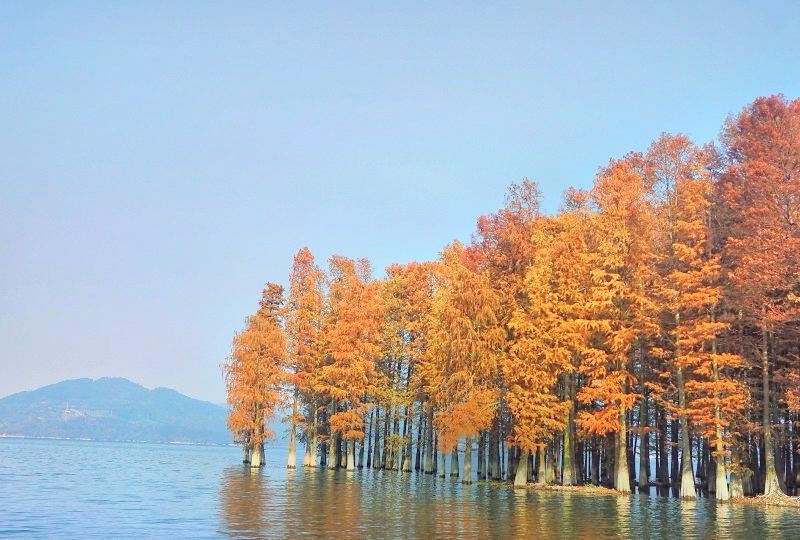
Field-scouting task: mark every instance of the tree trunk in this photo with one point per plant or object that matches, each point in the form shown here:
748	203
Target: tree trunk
429	445
687	476
257	456
453	461
351	454
721	473
595	456
541	467
771	484
246	452
521	476
332	460
467	478
644	448
418	460
376	447
674	455
494	453
291	462
315	437
308	455
481	454
368	438
622	479
568	457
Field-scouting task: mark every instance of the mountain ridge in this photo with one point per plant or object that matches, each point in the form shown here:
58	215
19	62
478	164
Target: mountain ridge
112	409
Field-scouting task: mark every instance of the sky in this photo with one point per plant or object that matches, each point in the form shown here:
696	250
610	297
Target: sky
160	161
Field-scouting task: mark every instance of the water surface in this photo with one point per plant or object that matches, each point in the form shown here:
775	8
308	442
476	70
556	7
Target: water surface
81	489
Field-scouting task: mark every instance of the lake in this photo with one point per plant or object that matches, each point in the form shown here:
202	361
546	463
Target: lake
81	489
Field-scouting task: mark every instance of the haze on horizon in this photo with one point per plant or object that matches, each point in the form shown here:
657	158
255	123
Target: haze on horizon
160	162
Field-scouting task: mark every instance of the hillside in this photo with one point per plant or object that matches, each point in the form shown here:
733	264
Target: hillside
112	409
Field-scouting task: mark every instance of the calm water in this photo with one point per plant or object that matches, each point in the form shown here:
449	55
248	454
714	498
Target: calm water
90	489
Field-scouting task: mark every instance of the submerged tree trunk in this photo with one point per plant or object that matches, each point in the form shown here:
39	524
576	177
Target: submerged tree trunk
429	445
314	437
291	462
257	456
481	454
622	479
568	457
332	460
541	467
453	461
721	473
771	484
494	454
644	448
419	454
521	476
467	478
351	454
687	476
246	452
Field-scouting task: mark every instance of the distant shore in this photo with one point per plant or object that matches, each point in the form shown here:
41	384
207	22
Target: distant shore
87	439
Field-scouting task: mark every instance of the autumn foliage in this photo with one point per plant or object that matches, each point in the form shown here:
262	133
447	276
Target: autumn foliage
651	323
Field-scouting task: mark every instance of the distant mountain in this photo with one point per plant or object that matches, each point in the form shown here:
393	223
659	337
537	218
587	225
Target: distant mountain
112	409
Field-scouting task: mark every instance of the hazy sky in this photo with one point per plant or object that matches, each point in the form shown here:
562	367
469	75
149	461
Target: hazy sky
160	161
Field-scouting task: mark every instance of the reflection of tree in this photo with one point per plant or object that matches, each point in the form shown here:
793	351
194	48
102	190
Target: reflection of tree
243	499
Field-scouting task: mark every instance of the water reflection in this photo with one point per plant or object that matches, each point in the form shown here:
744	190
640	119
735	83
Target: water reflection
366	503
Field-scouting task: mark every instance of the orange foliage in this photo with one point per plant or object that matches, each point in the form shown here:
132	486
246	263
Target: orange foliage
256	370
352	343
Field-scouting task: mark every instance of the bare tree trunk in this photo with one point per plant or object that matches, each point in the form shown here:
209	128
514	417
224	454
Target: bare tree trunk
332	460
622	479
453	461
429	465
541	467
315	436
721	476
247	450
257	456
308	455
481	454
376	447
351	454
291	462
771	484
521	476
568	457
494	452
467	478
644	448
687	476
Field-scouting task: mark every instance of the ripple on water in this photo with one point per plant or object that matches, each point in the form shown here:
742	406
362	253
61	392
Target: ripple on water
91	489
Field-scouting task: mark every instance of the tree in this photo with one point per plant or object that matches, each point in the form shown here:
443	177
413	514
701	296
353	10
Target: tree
465	344
543	338
303	326
352	343
255	374
619	307
689	294
760	192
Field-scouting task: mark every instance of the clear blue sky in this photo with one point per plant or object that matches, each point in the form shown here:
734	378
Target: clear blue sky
160	161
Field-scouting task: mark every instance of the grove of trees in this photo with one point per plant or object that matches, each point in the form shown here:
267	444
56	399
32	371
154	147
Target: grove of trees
647	335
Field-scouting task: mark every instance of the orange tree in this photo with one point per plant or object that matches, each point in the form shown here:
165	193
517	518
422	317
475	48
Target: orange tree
255	373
